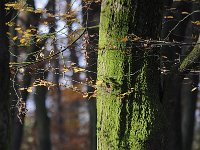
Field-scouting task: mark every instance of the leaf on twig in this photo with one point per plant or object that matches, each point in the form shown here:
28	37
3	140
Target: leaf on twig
193	89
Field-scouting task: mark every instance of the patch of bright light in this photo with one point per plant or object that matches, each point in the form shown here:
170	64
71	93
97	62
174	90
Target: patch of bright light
40	4
43	29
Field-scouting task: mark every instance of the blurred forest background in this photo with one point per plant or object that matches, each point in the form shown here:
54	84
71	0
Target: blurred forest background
54	99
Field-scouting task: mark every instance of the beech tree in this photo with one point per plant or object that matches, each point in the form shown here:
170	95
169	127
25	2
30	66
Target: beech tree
133	111
137	108
129	110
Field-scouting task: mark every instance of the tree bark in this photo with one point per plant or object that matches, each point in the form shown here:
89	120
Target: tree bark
33	20
91	18
172	79
129	112
189	99
42	119
4	81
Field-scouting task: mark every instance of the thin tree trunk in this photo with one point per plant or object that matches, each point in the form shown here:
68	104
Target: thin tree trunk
189	99
18	126
41	113
188	96
58	96
129	112
172	80
42	119
91	18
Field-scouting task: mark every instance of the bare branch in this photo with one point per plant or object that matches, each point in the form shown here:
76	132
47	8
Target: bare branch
53	55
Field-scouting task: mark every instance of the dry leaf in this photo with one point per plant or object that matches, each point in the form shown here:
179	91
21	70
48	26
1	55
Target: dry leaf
98	82
30	89
195	88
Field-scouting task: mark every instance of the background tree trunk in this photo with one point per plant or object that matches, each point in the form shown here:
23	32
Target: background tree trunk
42	119
189	99
33	20
91	18
172	79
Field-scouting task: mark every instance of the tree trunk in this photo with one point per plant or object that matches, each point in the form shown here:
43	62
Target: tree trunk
189	99
4	81
18	126
129	112
188	96
91	19
42	119
172	80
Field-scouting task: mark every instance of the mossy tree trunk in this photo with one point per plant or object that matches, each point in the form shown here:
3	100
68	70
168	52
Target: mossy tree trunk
129	112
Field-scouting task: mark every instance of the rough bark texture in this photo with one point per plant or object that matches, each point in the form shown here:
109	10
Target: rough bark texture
4	81
128	105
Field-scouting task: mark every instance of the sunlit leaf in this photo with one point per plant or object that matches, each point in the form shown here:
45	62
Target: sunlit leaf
76	69
18	28
99	82
125	39
30	89
168	17
185	13
85	95
193	89
22	41
14	38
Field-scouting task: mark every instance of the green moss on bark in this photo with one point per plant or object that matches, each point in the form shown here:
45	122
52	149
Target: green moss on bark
128	105
192	57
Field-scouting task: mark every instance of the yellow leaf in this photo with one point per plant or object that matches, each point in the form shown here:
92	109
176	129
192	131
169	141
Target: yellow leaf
33	29
185	13
196	23
38	40
195	88
30	89
94	94
40	11
76	69
17	29
22	41
30	9
125	39
168	17
46	23
21	89
65	69
99	82
85	95
28	30
10	24
11	4
14	38
8	33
